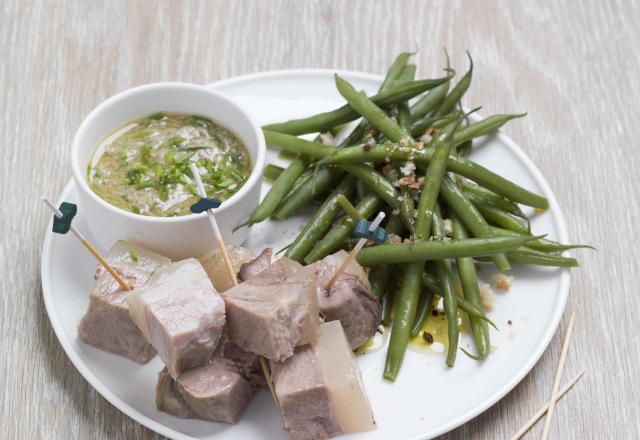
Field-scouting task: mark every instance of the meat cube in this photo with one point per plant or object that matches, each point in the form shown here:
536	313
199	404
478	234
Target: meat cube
213	263
320	389
107	324
274	311
180	313
349	300
219	391
255	266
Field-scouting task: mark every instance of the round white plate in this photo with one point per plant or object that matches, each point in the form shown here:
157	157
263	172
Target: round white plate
428	398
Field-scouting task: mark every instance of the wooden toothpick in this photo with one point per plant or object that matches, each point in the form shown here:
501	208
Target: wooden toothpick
354	252
89	246
214	225
556	383
532	421
231	272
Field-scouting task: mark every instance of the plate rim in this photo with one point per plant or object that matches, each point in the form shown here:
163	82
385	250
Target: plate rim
554	209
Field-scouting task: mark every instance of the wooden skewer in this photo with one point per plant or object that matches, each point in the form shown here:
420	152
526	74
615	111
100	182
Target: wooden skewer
556	383
214	226
354	252
231	272
532	421
89	246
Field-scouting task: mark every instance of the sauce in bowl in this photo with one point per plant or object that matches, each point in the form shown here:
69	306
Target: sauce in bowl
143	167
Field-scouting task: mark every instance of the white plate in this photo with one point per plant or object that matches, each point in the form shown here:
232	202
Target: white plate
428	399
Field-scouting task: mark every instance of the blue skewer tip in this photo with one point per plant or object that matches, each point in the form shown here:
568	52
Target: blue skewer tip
204	204
63	224
378	236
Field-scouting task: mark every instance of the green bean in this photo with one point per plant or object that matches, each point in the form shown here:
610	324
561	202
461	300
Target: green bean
434	250
337	235
321	221
317	183
484	127
456	164
470	216
379	279
551	260
454	97
540	244
395	70
272	172
425	306
370	111
276	193
431	189
405	311
501	218
420	126
380	186
410	292
525	255
323	121
469	281
296	145
450	299
464	149
429	101
388	299
470	309
404	114
348	208
501	202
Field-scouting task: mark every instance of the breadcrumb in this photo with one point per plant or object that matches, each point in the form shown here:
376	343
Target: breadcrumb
448	226
486	295
408	168
501	281
394	239
426	138
328	139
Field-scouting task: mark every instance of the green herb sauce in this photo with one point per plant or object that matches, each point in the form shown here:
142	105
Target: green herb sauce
143	167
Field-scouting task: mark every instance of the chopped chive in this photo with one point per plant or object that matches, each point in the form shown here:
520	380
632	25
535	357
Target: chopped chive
144	184
163	192
143	134
134	255
176	141
225	183
135	209
157	115
158	171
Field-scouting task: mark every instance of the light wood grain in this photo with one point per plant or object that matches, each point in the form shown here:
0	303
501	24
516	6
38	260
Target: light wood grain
572	65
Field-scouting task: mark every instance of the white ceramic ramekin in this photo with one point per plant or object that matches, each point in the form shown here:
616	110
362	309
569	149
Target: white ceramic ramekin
175	237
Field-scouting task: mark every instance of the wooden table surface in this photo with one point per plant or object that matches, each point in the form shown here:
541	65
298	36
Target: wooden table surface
572	65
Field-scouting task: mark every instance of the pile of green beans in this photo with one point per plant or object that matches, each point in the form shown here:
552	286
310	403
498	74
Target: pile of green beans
408	156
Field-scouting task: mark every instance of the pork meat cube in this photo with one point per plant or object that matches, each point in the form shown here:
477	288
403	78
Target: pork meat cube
255	266
320	389
219	391
107	324
349	300
273	312
180	313
213	263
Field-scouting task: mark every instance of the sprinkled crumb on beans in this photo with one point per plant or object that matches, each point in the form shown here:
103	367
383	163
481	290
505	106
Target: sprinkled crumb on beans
502	282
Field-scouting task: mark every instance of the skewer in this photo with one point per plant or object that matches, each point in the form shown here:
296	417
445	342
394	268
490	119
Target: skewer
89	246
214	226
354	252
229	267
556	383
532	421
